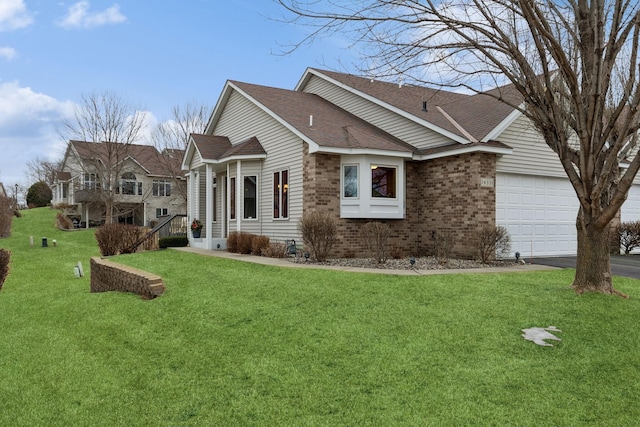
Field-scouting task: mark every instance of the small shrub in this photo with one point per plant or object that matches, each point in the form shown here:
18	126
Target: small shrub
5	257
275	250
39	195
443	243
258	244
375	236
629	235
173	242
319	230
232	241
115	239
5	216
491	242
63	221
396	252
64	206
245	242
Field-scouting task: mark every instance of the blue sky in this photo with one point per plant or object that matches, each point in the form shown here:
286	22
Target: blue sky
155	54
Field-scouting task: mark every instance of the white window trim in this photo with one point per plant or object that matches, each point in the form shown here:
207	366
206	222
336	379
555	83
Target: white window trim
279	172
382	165
257	217
342	183
366	206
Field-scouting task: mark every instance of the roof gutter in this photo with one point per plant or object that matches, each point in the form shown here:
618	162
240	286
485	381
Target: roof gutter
479	148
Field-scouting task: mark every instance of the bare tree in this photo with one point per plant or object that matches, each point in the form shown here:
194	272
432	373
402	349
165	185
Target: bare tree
40	169
571	67
172	136
109	125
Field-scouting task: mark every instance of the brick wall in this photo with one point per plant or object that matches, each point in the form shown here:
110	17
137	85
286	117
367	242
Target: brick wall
453	199
443	196
109	276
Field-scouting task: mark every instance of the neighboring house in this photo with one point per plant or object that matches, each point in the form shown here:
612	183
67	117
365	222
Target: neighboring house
137	179
3	192
426	162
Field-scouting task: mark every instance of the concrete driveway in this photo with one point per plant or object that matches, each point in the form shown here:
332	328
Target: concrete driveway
621	265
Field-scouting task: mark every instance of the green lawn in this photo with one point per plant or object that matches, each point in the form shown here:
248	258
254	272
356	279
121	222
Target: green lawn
232	343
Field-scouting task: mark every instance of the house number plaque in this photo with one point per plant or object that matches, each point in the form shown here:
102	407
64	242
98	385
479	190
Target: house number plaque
486	182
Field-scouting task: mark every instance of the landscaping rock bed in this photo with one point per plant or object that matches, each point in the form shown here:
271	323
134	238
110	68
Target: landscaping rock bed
421	263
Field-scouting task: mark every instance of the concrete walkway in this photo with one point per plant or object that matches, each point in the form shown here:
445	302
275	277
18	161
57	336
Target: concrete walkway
281	262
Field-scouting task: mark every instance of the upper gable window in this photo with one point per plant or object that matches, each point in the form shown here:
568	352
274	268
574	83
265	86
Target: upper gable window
129	185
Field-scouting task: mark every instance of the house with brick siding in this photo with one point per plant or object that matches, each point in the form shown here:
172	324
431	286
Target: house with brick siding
424	161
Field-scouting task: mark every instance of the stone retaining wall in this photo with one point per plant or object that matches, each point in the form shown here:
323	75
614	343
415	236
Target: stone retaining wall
109	276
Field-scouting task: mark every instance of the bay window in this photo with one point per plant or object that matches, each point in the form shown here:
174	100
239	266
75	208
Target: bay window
372	187
383	181
350	181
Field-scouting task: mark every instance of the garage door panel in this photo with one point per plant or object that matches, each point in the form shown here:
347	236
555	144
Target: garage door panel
538	212
631	208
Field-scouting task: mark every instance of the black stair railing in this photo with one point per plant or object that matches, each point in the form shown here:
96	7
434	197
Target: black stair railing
173	225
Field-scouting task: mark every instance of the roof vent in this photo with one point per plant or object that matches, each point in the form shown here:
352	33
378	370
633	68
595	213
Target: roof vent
424	106
310	120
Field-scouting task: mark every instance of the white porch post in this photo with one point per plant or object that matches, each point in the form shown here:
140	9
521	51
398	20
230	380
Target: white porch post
227	203
238	192
196	198
189	193
208	206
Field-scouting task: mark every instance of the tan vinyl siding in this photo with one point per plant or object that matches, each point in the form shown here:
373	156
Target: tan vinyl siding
284	151
217	224
531	155
196	160
398	126
202	197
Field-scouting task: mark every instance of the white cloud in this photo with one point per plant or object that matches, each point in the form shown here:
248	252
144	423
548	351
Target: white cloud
79	17
13	15
28	129
7	52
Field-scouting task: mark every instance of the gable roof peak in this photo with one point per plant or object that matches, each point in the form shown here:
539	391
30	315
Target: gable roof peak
463	117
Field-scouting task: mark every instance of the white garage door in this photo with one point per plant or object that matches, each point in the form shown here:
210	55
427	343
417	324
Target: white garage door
631	209
539	212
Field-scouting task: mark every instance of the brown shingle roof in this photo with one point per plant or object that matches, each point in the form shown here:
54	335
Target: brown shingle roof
213	147
63	176
477	114
453	147
332	126
146	156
